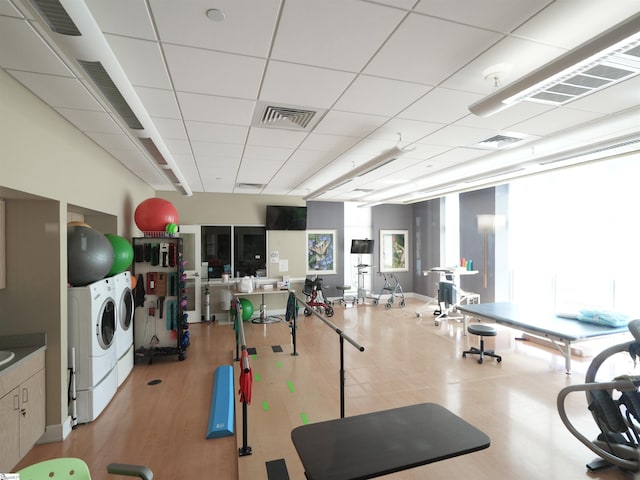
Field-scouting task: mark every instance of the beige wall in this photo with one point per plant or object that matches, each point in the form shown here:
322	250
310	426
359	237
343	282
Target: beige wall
48	168
225	208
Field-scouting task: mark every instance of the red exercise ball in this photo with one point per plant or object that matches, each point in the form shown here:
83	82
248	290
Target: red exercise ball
153	215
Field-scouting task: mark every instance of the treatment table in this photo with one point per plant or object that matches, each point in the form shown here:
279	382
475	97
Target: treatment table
531	319
383	442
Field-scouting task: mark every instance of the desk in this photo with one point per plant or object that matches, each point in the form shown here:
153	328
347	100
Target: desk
542	323
262	292
379	443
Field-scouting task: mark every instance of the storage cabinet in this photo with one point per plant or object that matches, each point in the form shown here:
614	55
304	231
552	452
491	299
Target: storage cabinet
160	320
22	410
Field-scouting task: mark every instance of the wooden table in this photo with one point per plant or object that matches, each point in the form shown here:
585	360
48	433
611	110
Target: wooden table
379	443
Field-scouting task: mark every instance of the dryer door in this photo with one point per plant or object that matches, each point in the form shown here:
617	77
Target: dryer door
106	327
125	314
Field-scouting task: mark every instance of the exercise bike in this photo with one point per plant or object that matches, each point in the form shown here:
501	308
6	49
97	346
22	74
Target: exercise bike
615	406
315	298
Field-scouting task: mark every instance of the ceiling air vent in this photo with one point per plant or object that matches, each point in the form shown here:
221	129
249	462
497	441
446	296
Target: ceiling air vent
153	151
56	17
286	117
497	142
254	186
103	81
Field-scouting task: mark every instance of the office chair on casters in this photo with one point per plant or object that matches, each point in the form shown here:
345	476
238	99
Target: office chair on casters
482	331
77	469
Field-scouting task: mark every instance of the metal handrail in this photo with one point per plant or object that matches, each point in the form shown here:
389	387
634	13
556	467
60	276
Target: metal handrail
343	336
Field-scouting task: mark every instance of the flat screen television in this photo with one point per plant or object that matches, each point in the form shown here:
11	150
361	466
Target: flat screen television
362	246
286	218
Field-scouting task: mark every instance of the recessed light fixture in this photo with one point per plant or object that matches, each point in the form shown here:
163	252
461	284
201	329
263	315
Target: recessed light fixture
216	15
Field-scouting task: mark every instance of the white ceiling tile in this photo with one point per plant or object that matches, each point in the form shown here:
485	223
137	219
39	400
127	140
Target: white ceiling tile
498	15
328	142
521	55
615	98
557	119
349	124
588	18
209	108
178	146
170	129
301	85
33	55
159	103
268	154
403	131
441	105
379	96
203	71
246	29
216	132
58	91
271	137
212	149
90	121
141	60
408	53
454	135
111	18
337	34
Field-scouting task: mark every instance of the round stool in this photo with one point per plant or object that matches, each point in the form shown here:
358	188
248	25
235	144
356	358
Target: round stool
482	331
343	299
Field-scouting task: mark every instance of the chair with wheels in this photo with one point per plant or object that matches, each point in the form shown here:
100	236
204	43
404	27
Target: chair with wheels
77	469
482	331
344	299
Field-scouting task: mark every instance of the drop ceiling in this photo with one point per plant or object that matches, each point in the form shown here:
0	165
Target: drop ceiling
342	82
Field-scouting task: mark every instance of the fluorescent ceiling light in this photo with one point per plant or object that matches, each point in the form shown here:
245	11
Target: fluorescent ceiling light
377	162
608	58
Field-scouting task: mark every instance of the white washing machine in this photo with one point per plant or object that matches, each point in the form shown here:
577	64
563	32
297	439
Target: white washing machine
92	331
124	330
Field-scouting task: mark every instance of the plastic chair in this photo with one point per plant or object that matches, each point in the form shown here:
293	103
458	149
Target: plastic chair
77	469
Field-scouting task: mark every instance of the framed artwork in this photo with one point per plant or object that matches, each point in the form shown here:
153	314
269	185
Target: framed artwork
321	252
394	250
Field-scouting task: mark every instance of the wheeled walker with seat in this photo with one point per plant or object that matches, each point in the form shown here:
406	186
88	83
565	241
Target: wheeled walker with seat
394	291
315	298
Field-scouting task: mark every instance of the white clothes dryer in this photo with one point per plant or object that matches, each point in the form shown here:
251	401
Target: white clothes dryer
124	329
92	327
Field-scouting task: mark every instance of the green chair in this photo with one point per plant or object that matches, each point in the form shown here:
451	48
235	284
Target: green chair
77	469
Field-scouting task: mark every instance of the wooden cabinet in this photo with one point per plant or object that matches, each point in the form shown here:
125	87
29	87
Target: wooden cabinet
22	410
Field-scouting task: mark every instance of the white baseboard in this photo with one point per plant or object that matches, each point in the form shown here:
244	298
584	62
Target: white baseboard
56	433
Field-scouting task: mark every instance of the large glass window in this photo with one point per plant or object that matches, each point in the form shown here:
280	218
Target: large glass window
573	237
235	250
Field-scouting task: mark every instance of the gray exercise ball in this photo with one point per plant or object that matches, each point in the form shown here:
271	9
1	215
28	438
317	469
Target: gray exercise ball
89	255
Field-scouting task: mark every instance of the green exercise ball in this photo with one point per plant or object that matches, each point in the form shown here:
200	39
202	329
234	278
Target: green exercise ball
247	309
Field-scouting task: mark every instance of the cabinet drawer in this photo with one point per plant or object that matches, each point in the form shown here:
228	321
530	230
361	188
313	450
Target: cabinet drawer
21	372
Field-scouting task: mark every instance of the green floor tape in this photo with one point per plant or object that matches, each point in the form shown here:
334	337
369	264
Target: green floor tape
278	364
265	406
304	418
256	377
291	387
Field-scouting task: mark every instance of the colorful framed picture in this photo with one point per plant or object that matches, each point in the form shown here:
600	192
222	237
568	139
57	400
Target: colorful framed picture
321	252
394	250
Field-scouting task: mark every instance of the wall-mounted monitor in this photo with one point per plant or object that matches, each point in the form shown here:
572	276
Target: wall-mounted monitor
286	218
361	246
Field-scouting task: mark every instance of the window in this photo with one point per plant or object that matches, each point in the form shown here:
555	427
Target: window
238	251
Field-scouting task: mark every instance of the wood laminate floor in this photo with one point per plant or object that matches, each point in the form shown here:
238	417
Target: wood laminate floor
407	360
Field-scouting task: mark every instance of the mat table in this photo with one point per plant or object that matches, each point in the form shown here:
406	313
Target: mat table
383	442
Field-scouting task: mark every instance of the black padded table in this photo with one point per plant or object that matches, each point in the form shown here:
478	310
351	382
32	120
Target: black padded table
379	443
542	323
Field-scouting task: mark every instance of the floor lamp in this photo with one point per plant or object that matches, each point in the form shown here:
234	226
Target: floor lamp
488	223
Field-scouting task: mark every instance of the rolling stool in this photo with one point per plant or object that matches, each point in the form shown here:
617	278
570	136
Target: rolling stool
482	331
344	299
